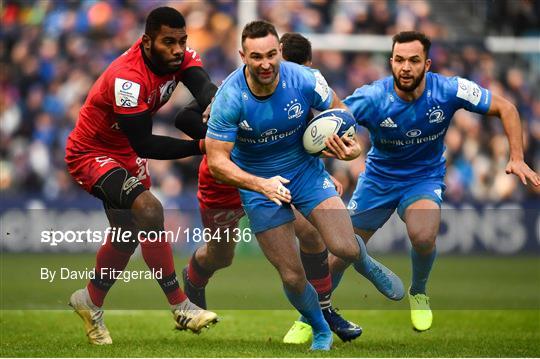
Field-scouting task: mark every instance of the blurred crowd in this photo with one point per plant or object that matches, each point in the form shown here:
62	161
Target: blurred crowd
348	17
52	51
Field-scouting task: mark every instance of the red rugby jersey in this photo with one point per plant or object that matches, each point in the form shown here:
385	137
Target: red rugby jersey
128	86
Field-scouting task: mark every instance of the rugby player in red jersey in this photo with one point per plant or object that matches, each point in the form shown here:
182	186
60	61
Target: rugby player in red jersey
107	155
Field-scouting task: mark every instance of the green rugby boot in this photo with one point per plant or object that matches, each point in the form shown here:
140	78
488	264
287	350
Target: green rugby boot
421	315
300	333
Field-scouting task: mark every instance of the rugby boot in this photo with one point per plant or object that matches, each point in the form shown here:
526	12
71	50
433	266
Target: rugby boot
421	315
92	316
345	330
300	333
188	316
322	340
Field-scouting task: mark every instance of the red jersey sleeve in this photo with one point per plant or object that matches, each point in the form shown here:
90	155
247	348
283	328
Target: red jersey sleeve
191	58
128	92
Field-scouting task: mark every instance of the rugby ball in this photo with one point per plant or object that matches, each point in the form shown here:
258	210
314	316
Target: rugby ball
324	125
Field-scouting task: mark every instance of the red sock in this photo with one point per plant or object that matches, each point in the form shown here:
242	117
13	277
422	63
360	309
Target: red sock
107	257
197	275
159	257
318	274
322	285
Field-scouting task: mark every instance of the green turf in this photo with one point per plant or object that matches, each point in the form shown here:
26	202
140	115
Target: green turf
485	307
475	282
148	333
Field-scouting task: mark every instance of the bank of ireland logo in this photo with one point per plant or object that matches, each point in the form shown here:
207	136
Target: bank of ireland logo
435	114
269	132
413	133
294	109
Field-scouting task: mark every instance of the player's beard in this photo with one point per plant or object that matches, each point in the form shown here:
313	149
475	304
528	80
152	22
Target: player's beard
160	62
414	84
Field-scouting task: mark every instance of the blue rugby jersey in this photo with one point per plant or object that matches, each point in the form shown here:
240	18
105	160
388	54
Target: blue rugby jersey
408	137
268	133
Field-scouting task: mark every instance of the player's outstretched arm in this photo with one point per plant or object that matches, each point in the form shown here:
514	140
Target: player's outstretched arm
199	84
138	129
223	169
509	116
190	121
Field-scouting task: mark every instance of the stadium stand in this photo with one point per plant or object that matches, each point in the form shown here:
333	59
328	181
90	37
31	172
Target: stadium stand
51	52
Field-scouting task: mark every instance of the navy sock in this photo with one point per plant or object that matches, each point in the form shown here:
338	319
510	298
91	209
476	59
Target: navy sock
318	274
307	303
421	267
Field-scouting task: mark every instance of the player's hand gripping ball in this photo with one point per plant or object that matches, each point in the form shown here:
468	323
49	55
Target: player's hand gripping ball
324	125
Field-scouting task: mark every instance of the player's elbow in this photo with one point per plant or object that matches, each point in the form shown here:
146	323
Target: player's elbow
218	158
503	107
146	149
214	167
141	150
217	172
509	107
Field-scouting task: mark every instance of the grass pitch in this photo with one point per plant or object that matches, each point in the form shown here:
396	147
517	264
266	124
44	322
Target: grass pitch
245	333
483	307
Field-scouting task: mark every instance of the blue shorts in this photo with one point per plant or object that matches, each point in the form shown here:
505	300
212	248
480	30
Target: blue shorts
374	201
309	185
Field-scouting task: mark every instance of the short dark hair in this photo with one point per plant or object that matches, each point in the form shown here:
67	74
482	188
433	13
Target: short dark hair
410	36
257	29
296	48
163	16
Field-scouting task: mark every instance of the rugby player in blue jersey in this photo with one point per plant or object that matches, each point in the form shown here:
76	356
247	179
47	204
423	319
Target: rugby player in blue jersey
407	115
218	200
254	142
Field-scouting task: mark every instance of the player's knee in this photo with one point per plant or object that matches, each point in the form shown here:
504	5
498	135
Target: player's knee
346	251
293	280
148	212
423	240
336	265
311	241
223	259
